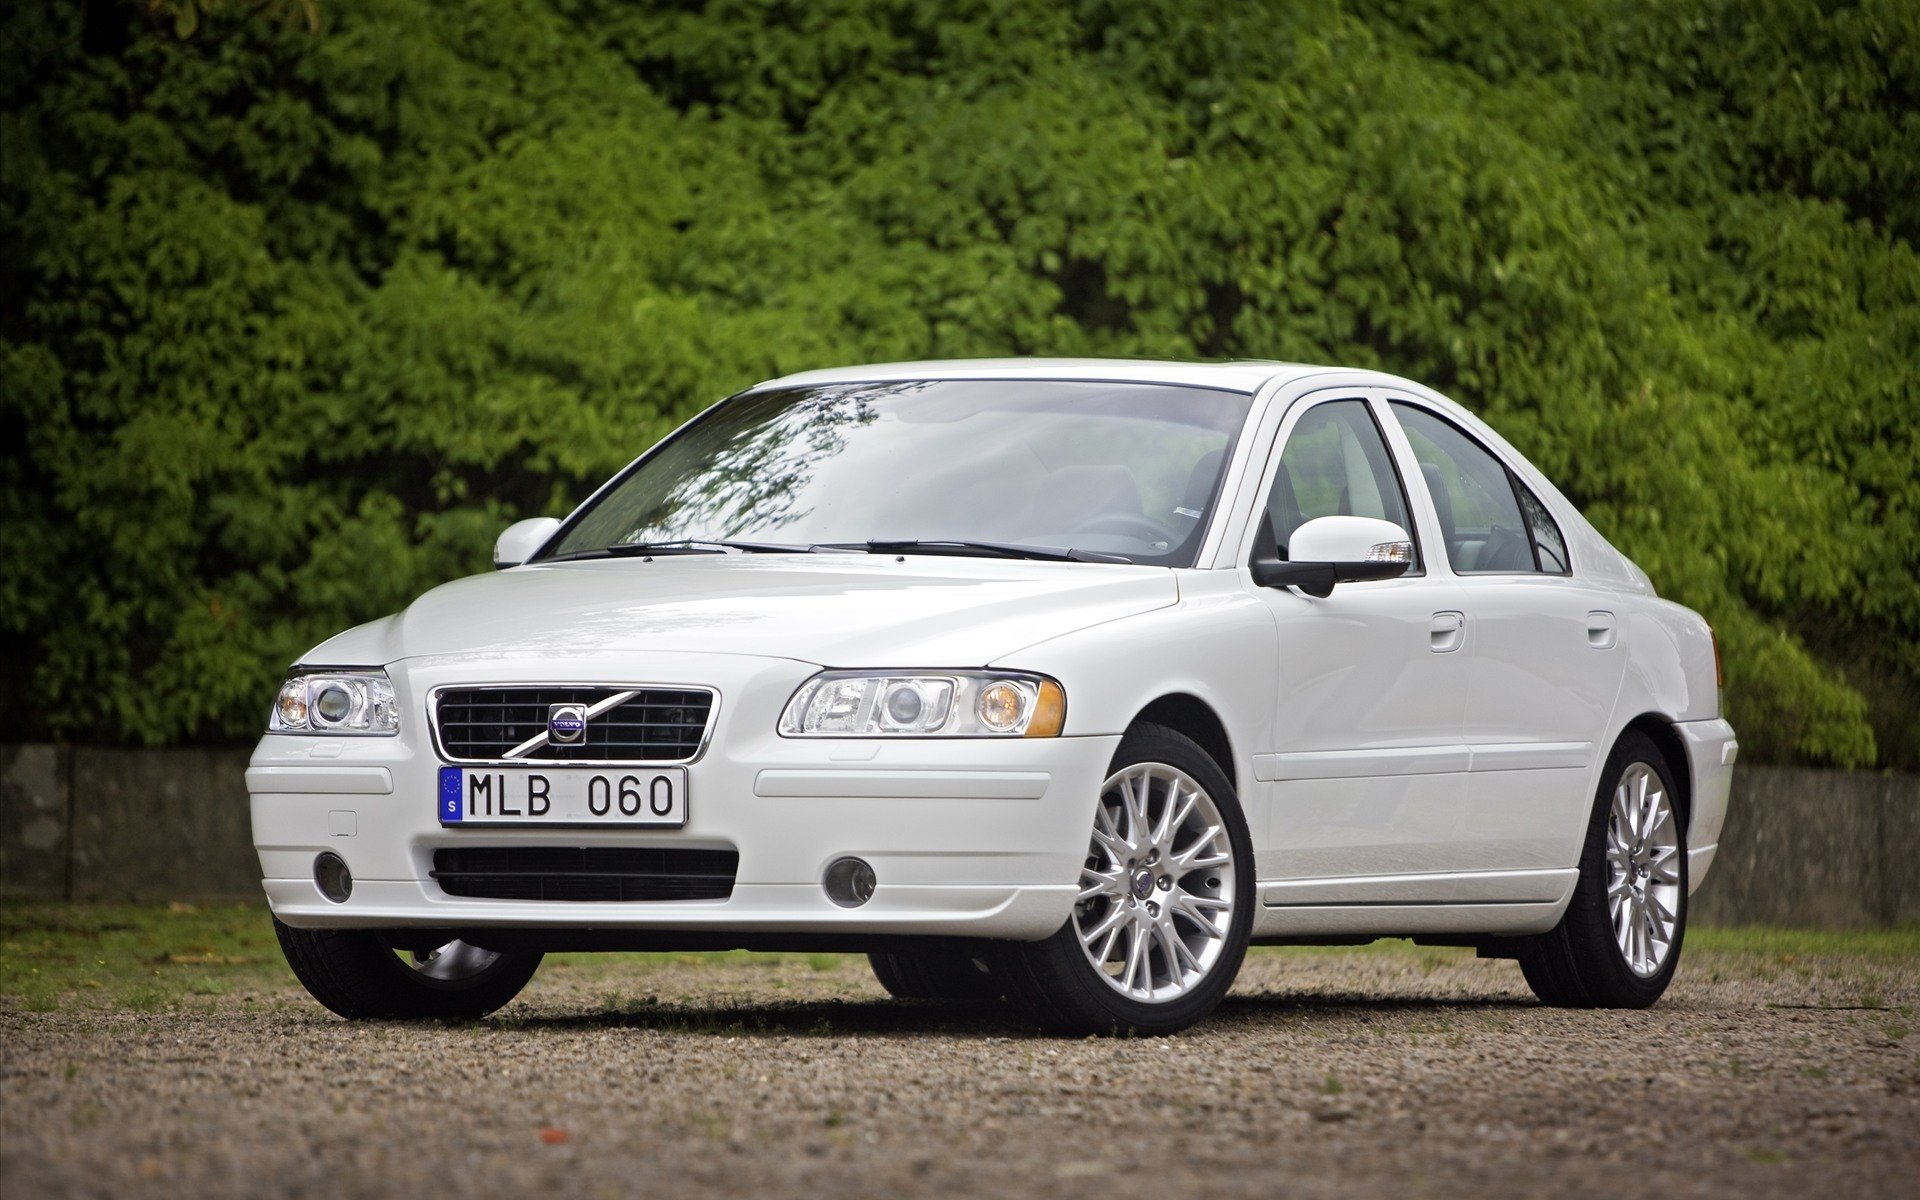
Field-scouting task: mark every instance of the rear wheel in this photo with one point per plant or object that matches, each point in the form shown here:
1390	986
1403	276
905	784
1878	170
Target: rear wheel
370	973
1165	905
1619	941
933	976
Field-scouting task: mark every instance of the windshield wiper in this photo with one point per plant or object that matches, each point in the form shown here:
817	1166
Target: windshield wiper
949	546
681	546
957	546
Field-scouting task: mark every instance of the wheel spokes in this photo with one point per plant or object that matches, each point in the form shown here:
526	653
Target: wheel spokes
1098	883
1191	859
1622	822
452	962
1644	896
1138	793
1173	817
1147	920
1109	840
1136	956
1196	910
1111	923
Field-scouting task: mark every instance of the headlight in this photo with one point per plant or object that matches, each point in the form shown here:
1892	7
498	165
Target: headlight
336	702
951	704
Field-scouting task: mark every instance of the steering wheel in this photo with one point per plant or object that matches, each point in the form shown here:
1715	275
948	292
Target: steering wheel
1129	525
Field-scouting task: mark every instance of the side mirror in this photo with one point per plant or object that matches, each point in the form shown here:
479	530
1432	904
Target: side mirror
519	541
1330	550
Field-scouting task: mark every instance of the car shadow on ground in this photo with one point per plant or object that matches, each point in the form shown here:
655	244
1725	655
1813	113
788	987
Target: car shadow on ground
1280	1008
976	1019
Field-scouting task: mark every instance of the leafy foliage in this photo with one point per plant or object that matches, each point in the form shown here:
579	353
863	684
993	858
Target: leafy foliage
294	321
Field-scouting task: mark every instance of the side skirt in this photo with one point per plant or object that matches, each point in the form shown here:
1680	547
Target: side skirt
1471	904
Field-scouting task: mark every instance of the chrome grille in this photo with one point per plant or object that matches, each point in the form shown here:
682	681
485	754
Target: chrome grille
654	724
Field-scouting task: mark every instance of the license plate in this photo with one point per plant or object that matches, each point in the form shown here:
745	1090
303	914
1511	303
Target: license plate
563	796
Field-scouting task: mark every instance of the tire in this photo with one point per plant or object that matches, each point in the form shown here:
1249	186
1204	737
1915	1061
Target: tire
359	974
1205	905
933	977
1584	962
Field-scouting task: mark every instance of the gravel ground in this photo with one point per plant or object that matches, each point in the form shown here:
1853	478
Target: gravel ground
1326	1073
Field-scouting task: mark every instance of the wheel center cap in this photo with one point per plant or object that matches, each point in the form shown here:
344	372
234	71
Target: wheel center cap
1142	884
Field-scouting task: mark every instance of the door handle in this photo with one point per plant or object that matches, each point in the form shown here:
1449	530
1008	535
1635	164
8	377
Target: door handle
1601	630
1447	631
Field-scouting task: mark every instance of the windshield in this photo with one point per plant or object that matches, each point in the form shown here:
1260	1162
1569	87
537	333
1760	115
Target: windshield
1121	469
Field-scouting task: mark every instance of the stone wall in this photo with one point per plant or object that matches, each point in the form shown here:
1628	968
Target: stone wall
109	823
1823	849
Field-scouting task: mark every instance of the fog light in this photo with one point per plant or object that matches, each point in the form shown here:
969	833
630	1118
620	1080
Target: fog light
331	876
849	882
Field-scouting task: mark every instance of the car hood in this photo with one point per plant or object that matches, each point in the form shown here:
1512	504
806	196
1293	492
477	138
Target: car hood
831	610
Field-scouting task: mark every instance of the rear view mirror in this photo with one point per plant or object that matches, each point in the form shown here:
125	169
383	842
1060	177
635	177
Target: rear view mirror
1330	550
518	542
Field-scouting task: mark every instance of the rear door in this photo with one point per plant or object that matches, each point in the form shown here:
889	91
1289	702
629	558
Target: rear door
1546	659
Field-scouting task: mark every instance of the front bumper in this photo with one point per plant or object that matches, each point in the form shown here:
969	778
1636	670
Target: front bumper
967	837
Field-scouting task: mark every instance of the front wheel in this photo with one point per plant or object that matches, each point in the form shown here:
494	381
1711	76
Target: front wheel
1619	941
1165	905
369	973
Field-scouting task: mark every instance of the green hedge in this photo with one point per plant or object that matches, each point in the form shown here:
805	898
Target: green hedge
296	318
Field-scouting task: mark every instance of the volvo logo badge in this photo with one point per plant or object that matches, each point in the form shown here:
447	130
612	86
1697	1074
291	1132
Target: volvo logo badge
567	724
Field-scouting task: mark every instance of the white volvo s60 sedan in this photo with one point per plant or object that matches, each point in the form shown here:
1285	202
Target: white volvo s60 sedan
1057	680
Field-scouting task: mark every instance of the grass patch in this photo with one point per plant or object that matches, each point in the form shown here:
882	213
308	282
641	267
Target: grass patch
158	956
135	956
1900	942
151	957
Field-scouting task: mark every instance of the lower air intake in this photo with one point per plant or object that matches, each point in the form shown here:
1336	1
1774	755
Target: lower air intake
587	873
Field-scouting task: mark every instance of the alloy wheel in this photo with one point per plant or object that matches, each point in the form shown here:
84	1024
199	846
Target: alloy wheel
1643	870
1157	887
453	963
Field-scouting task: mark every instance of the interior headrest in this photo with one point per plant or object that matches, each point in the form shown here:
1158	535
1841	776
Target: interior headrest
1200	481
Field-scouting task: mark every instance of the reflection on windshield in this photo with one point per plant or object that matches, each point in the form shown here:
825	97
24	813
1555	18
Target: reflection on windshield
1126	469
755	472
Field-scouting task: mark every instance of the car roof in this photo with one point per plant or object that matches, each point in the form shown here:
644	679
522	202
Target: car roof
1240	375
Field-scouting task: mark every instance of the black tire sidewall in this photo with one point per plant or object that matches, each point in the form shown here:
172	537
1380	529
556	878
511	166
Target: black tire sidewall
945	976
357	974
1609	980
1094	1003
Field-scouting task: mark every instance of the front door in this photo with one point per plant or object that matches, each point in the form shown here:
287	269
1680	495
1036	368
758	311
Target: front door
1366	760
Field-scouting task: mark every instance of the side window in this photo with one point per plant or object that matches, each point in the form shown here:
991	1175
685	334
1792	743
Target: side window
1478	501
1336	464
1549	548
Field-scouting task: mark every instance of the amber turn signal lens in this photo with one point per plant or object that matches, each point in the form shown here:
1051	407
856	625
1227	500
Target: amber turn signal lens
1049	711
